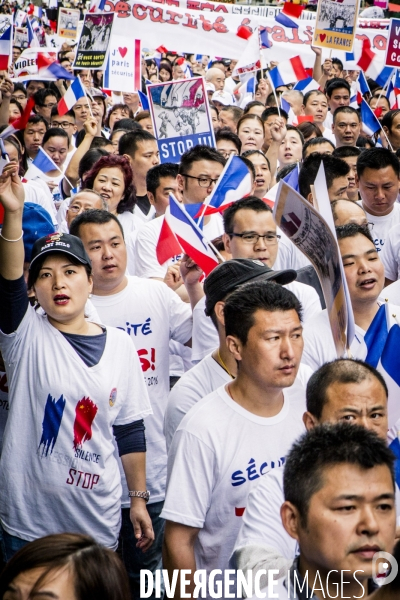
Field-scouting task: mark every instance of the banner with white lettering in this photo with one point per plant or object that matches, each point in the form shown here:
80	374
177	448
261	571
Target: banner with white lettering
25	67
181	117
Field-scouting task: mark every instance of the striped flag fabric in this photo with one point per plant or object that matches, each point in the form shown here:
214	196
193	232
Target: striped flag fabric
71	97
21	122
370	123
264	39
306	85
144	101
40	165
6	46
49	67
288	71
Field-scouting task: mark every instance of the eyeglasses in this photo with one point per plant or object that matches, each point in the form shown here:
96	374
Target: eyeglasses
204	182
50	105
20	98
63	125
270	239
228	153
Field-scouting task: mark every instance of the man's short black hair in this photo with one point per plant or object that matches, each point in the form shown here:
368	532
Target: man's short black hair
377	158
326	446
338	62
19	87
127	124
157	172
251	104
316	142
334	168
129	142
55	113
346	151
227	134
93	215
41	95
55	132
388	118
100	142
197	153
348	110
248	203
285	170
335	84
272	110
335	203
248	153
243	303
235	111
35	119
351	230
342	370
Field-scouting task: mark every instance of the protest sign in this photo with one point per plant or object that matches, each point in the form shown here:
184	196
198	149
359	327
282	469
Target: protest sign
94	41
25	67
393	47
68	19
21	37
54	41
181	117
124	65
305	227
336	22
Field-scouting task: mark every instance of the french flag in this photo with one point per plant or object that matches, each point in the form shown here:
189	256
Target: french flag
370	123
37	11
289	10
234	183
397	81
97	5
362	87
71	96
288	71
292	178
391	96
264	39
292	119
21	122
144	101
188	237
41	165
306	85
33	42
5	47
50	67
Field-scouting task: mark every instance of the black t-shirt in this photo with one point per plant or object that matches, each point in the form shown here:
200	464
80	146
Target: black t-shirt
143	203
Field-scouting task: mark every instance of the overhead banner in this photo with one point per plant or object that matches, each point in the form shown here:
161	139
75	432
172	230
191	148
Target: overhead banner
123	72
305	227
336	24
68	19
94	41
216	33
181	117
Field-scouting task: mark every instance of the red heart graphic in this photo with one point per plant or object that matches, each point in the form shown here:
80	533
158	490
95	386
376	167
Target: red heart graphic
322	36
122	51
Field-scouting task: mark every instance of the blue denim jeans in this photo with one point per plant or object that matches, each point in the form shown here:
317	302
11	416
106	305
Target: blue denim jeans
134	559
10	544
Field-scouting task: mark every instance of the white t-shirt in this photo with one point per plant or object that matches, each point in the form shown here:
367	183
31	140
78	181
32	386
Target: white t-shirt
382	225
38	192
289	256
205	336
58	471
151	314
218	453
140	216
129	222
4	406
146	263
391	293
390	254
328	135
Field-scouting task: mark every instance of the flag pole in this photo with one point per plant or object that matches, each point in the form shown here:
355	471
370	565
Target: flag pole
384	87
387	139
274	92
207	201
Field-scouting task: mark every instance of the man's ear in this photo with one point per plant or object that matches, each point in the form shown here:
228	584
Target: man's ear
219	312
290	519
234	347
227	242
151	198
179	179
129	158
309	420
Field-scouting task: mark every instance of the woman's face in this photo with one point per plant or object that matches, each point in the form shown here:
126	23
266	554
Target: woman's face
13	112
109	183
117	115
215	120
57	584
152	69
290	150
251	134
147	125
62	289
164	75
115	139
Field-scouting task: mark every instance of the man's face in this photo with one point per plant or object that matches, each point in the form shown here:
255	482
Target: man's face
378	189
107	251
178	72
192	191
167	186
394	133
86	78
381	103
340	97
338	188
81	111
248	221
363	403
336	70
146	156
323	148
226	120
352	190
57	148
346	129
218	79
349	212
67	65
16	53
227	148
45	110
65	122
33	137
21	97
364	271
317	106
33	87
81	202
350	517
263	174
272	352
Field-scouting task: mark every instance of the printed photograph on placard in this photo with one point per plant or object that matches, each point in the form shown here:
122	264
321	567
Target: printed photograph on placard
21	37
335	24
181	117
94	41
68	19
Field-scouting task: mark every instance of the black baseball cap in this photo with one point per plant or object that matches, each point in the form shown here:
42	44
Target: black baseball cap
60	242
230	274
